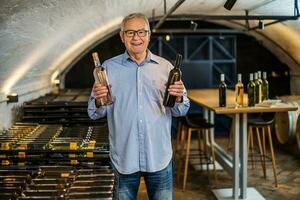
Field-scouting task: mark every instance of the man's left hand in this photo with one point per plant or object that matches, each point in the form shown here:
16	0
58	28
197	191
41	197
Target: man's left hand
177	89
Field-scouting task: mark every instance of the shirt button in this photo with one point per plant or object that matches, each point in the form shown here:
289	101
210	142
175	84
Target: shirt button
141	107
141	121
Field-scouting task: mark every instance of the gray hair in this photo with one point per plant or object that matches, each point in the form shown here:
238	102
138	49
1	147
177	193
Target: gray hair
132	16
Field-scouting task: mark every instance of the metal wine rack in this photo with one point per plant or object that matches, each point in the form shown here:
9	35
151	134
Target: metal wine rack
57	182
32	143
56	152
67	108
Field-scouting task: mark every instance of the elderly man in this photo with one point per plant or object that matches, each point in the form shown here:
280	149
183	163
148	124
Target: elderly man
139	125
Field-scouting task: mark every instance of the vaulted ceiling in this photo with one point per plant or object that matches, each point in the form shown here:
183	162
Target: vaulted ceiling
40	38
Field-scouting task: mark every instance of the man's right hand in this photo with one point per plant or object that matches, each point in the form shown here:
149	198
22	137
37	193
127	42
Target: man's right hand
99	91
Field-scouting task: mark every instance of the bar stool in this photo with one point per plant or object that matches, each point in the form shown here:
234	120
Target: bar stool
186	127
263	123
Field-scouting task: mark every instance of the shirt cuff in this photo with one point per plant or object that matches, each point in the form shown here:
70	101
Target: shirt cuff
184	100
96	109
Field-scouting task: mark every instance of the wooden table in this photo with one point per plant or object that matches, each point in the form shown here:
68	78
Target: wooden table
235	165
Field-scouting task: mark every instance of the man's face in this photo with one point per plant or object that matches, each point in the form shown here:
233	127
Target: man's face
135	36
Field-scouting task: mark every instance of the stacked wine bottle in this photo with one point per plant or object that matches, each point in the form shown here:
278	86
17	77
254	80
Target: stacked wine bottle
257	88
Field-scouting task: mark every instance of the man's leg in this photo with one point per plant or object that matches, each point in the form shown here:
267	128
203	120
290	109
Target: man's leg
160	184
127	185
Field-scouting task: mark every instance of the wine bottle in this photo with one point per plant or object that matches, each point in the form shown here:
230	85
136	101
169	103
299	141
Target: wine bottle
265	87
258	90
259	76
222	91
102	79
251	91
174	75
239	92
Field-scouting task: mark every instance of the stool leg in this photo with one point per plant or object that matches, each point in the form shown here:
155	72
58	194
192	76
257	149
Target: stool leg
264	151
252	148
212	149
229	144
260	150
205	152
200	148
187	159
273	156
250	145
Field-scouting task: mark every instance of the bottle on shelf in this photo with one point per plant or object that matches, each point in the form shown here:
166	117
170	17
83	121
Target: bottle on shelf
258	90
265	87
251	91
174	75
100	77
222	91
239	92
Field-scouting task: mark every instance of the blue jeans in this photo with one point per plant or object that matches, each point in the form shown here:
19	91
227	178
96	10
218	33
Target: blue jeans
159	184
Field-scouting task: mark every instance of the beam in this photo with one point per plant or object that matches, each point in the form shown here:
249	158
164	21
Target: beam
225	31
162	20
232	17
267	24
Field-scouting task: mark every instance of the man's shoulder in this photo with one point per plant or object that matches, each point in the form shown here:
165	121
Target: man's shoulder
116	59
161	60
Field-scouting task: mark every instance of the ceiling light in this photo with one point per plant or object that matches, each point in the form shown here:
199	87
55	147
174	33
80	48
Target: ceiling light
194	25
168	37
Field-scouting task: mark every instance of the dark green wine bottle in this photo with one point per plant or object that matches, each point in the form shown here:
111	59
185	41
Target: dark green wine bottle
265	87
174	75
222	91
258	92
251	91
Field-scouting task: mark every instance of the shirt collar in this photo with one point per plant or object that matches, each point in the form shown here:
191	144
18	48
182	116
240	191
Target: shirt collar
150	57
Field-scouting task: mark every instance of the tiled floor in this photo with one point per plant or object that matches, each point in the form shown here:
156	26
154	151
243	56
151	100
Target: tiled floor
288	172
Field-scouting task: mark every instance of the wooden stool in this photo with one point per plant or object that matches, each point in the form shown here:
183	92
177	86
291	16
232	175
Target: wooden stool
186	126
263	123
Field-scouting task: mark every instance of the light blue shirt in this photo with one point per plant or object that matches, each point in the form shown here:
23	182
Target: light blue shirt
138	122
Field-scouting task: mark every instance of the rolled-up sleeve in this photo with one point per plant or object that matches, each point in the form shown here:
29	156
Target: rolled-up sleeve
93	111
180	109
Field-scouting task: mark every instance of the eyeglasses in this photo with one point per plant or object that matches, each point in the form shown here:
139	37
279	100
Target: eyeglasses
140	33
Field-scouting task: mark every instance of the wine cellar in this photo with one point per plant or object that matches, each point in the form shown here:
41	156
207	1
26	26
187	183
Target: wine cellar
238	61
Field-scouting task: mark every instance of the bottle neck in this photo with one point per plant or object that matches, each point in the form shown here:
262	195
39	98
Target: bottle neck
222	77
259	74
251	77
178	60
264	75
239	77
177	67
96	59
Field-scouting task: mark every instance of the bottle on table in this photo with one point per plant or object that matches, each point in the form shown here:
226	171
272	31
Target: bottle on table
251	91
239	92
265	87
258	90
174	75
101	78
259	76
222	91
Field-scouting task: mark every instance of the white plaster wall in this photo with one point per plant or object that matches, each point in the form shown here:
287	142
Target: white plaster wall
40	38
